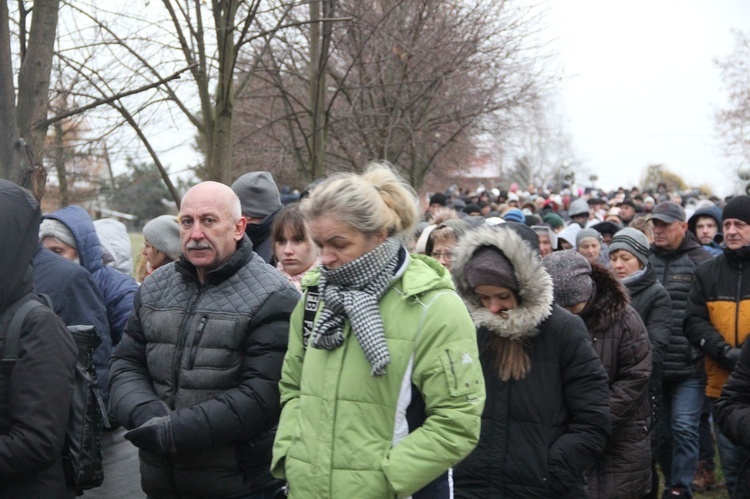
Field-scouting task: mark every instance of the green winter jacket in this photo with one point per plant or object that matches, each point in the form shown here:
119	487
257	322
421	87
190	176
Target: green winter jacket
343	432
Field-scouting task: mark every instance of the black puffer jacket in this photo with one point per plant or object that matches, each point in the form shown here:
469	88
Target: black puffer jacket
209	355
675	269
649	298
35	393
621	341
541	433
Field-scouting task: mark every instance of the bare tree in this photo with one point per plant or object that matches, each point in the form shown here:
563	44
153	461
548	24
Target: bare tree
733	122
414	82
24	109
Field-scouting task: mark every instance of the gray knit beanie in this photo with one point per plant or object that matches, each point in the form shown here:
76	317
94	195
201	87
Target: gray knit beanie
633	241
55	228
258	194
584	233
571	277
489	266
163	233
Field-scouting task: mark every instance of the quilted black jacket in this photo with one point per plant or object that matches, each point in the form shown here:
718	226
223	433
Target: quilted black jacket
209	355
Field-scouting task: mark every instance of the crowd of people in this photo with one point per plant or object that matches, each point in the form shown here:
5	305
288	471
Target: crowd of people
500	343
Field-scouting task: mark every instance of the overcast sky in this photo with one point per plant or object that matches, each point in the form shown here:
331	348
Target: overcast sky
640	85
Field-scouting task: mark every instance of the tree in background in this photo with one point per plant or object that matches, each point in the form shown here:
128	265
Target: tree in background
23	108
139	191
413	82
733	122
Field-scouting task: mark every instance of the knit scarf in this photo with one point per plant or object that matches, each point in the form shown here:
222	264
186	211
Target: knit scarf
352	292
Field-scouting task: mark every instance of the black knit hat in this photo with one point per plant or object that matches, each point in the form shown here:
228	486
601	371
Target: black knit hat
571	277
489	266
739	208
438	198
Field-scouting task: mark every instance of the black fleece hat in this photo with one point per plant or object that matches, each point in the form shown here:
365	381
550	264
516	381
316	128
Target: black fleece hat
739	208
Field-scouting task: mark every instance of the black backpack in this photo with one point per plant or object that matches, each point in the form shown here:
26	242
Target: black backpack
82	450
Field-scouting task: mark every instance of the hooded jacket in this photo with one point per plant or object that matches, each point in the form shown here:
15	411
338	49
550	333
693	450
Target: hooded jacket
209	355
77	301
260	236
117	288
675	270
344	433
622	343
35	393
714	212
539	434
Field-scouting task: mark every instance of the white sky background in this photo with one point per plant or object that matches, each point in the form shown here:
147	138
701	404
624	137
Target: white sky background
640	86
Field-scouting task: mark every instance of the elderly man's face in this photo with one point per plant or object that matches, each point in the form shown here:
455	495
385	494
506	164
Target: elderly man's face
209	228
669	236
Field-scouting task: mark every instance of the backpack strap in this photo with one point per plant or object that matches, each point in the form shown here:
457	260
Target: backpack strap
13	335
312	300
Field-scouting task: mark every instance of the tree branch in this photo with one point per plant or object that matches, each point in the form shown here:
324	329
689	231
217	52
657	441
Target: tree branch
109	100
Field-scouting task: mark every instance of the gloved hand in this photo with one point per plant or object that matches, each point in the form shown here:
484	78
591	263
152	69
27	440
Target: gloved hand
154	436
728	358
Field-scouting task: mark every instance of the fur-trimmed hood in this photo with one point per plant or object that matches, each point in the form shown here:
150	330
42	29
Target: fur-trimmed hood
609	302
534	283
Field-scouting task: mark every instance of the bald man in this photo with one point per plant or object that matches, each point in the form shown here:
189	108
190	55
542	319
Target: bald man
195	376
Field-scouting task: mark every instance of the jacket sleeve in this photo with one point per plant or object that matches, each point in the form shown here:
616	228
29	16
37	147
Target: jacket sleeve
733	406
39	392
659	325
633	369
697	324
78	301
120	305
289	386
586	397
133	400
248	410
448	374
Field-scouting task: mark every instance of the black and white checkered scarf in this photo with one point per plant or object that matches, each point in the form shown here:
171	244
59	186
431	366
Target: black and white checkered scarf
352	292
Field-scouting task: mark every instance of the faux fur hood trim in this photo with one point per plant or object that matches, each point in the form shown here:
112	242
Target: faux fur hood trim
609	303
534	283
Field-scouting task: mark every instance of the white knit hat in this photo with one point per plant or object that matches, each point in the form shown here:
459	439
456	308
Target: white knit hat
163	233
55	228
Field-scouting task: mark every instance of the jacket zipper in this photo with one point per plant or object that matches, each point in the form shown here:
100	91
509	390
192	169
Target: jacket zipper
181	344
737	308
196	342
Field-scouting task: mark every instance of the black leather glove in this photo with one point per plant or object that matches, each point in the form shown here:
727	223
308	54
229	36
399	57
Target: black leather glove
154	436
728	357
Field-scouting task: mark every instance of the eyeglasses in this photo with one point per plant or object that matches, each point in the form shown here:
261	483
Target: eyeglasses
437	255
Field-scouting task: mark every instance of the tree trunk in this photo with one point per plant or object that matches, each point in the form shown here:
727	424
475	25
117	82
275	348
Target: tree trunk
10	164
34	81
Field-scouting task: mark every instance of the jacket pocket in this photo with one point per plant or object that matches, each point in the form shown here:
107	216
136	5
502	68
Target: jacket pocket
462	368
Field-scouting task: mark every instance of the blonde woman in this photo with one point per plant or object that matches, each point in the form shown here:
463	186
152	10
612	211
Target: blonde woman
381	387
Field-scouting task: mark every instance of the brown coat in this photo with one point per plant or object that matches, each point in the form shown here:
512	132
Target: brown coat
621	341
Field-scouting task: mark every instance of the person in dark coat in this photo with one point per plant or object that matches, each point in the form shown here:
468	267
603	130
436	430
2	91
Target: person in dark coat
547	412
195	378
77	301
260	201
733	415
81	244
628	256
621	341
36	391
675	254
